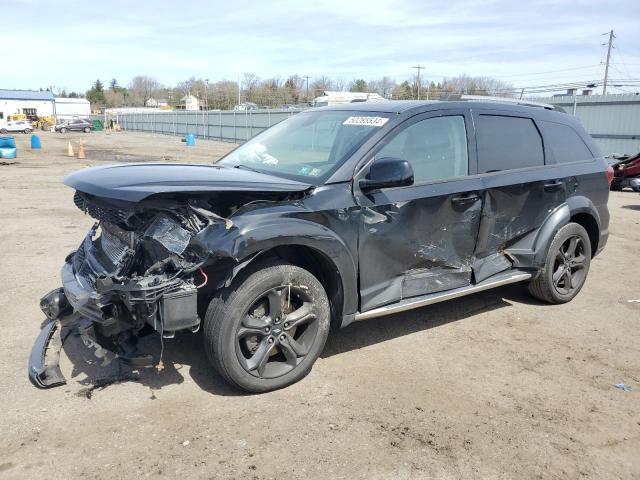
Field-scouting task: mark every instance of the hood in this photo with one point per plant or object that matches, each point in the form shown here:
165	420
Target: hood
137	181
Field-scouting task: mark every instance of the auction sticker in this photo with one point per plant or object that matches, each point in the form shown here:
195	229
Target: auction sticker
366	121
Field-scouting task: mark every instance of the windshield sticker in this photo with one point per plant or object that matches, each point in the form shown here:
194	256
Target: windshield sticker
366	121
304	171
315	172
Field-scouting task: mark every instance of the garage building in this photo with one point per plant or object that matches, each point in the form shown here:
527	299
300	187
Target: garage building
27	102
68	108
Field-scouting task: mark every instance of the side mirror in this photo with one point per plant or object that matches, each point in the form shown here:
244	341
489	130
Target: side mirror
387	172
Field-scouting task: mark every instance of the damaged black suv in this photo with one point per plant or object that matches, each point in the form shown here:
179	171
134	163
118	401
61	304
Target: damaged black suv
334	215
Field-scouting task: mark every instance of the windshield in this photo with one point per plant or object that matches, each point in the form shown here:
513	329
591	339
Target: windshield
309	146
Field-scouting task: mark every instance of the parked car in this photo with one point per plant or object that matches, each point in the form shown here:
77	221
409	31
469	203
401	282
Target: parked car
626	172
16	126
335	215
246	106
75	125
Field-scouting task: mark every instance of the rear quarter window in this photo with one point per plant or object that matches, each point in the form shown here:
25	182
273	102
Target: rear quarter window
507	143
564	143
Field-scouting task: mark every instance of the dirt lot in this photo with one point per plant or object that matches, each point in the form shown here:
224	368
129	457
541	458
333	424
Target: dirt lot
495	385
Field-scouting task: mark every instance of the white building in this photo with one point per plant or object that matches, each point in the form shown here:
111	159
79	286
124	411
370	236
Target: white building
25	102
68	108
189	102
337	98
156	102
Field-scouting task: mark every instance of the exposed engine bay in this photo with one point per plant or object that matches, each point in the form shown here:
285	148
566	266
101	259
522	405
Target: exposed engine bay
138	270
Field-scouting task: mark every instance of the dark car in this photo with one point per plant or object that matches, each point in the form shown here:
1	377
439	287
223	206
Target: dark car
75	125
335	215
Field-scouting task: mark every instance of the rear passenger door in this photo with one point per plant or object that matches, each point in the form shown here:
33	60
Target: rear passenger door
521	185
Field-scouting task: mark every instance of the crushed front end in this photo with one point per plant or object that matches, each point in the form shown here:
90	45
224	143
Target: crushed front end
138	270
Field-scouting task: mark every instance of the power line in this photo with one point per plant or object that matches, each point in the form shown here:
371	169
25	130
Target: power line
542	73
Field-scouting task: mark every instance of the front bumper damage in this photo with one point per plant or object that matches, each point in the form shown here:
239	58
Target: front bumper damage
44	367
110	312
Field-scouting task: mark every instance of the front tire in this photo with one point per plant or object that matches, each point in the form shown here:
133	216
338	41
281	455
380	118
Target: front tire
3	131
566	267
87	129
268	328
27	130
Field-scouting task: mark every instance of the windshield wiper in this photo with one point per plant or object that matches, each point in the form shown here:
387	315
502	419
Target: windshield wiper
246	168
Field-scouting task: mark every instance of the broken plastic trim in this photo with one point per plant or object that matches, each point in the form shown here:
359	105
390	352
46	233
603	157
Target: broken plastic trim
44	360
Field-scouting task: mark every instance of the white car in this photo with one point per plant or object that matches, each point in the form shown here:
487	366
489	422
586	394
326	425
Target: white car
16	126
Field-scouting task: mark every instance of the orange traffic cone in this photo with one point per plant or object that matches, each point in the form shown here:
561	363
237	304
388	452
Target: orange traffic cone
69	150
81	151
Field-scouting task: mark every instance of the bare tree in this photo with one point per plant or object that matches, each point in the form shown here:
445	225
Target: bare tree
319	85
383	86
142	88
340	85
223	94
294	87
466	84
250	82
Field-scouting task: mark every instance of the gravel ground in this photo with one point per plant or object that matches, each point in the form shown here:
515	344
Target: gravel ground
495	385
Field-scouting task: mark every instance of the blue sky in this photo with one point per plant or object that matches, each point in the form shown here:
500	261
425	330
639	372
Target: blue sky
72	43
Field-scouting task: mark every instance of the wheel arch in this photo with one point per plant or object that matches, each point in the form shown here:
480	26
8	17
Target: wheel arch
308	245
320	265
531	251
590	224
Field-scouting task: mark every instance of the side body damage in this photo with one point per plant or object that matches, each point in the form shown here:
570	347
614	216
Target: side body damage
151	265
168	239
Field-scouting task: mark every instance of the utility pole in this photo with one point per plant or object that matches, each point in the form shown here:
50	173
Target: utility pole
419	67
307	77
206	93
606	67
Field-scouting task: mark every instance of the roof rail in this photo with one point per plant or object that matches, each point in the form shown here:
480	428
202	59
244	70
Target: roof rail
512	101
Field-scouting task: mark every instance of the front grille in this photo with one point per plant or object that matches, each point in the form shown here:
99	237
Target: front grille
102	213
82	270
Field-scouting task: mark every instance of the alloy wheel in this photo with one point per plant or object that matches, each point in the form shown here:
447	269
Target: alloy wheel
277	331
569	266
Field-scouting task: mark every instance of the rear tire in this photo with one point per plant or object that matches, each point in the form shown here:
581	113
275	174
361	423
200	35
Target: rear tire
566	267
87	129
27	130
3	131
268	328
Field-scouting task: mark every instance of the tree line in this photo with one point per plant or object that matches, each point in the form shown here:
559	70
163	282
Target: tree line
277	92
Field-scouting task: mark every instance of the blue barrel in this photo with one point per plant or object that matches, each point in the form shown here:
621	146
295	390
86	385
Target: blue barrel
191	140
7	147
35	141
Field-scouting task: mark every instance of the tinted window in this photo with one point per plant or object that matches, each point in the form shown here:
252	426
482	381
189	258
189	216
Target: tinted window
505	143
564	142
435	147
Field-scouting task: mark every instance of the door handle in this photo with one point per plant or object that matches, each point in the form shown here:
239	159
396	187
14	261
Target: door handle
464	199
552	187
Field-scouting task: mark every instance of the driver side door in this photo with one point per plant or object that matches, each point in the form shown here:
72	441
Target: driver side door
420	239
